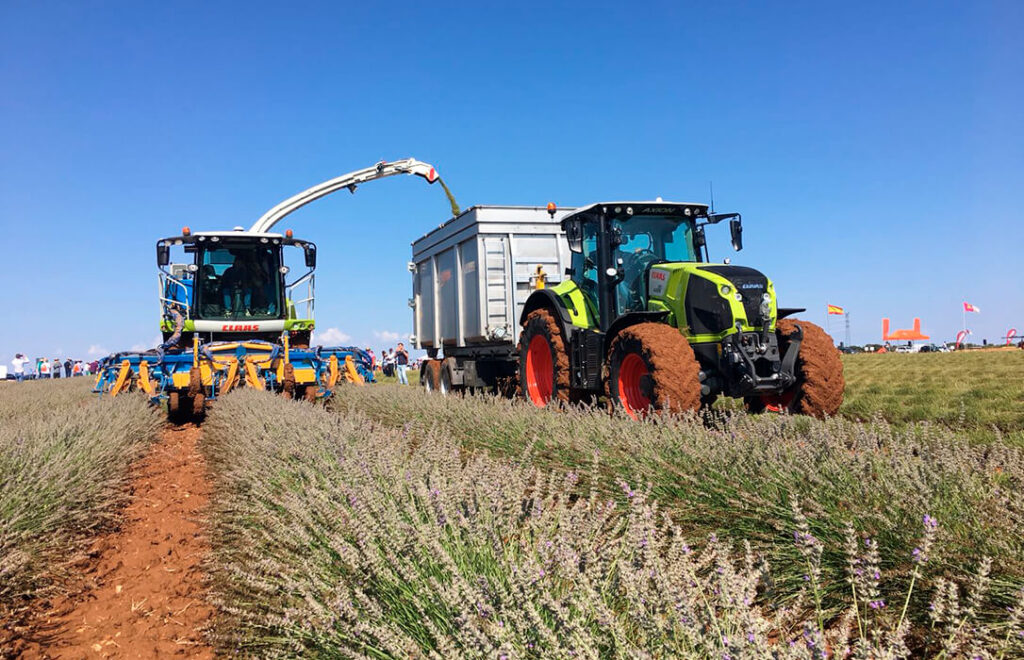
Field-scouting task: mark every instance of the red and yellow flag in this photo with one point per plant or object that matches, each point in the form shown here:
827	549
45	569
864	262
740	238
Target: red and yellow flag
835	309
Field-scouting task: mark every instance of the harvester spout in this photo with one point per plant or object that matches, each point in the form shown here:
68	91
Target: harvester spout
350	181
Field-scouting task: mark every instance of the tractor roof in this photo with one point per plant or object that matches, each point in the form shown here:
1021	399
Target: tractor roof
655	207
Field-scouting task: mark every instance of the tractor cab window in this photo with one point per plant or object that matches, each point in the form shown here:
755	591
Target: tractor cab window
238	282
643	241
584	264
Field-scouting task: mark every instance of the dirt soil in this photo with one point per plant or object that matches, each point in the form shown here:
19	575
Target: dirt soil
142	592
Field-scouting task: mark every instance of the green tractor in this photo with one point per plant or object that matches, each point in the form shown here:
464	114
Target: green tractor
645	319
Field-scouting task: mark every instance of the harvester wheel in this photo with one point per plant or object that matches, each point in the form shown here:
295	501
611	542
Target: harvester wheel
819	386
543	360
653	367
198	406
179	408
431	376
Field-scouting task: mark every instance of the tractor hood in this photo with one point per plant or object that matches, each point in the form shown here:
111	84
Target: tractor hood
711	301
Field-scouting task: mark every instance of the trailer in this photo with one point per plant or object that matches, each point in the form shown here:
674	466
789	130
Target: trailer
471	277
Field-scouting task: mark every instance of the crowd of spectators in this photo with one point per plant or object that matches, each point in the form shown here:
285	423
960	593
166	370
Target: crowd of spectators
26	369
392	363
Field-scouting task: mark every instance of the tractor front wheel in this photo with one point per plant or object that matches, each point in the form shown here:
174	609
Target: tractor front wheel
819	386
543	360
652	367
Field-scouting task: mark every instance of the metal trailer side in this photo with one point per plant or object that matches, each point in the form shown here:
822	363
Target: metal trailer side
471	278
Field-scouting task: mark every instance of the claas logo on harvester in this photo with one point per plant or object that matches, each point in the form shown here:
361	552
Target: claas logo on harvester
239	328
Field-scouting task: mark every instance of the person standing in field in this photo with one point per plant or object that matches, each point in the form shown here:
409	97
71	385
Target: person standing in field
402	364
44	369
68	366
55	368
19	362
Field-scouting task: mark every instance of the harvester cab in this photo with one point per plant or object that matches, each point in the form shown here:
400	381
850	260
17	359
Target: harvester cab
235	284
645	316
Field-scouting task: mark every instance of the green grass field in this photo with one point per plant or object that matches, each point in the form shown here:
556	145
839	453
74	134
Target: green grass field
977	392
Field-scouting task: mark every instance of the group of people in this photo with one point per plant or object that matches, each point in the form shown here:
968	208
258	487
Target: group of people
393	362
68	368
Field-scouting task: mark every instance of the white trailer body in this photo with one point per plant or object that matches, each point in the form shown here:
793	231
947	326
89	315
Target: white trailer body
472	276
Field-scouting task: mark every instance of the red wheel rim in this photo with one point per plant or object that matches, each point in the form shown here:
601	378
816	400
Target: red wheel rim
540	372
631	372
778	402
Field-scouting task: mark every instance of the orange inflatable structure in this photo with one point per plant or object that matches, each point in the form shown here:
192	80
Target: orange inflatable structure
912	334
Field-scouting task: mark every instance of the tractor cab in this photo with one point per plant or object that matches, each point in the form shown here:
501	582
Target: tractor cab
615	245
235	284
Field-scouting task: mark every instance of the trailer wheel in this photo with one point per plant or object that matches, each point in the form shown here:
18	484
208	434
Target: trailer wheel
819	386
430	377
653	367
543	360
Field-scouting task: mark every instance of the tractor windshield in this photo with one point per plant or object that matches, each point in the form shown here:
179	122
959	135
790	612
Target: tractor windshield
644	240
238	281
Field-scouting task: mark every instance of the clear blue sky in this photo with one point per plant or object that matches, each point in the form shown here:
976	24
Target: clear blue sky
876	150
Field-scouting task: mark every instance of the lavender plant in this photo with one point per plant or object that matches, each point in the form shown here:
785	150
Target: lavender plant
337	535
63	467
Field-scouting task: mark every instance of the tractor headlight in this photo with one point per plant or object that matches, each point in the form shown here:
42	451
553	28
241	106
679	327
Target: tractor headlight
726	289
766	306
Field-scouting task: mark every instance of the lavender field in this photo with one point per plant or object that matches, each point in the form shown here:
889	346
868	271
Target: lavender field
64	459
396	524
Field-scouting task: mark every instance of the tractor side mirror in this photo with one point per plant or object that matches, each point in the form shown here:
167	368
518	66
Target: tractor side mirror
163	254
736	229
699	241
310	253
574	235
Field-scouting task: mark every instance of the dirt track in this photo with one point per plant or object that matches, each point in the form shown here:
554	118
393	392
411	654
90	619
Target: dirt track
141	594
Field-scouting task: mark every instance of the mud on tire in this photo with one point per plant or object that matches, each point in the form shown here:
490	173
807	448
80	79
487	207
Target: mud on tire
818	391
430	377
543	360
651	365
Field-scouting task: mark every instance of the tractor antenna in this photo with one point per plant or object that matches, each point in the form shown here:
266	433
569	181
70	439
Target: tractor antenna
711	187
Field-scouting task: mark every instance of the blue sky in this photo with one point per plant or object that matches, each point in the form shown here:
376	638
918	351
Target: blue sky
876	150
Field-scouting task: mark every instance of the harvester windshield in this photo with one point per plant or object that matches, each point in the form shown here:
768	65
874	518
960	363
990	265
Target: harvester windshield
238	281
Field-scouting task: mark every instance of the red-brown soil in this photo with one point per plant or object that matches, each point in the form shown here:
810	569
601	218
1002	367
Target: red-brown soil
141	593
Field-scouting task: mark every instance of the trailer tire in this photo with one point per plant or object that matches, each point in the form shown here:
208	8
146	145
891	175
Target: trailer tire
651	366
543	360
430	377
818	390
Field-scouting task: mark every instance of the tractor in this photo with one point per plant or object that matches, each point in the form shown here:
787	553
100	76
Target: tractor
647	320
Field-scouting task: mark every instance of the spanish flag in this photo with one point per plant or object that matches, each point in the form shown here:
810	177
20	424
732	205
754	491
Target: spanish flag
835	309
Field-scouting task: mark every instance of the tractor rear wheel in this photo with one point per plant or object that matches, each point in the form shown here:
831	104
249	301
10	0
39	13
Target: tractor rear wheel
652	367
819	386
431	376
543	360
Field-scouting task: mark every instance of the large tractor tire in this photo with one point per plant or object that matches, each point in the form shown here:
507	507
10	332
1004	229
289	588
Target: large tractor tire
543	360
652	367
430	377
819	386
